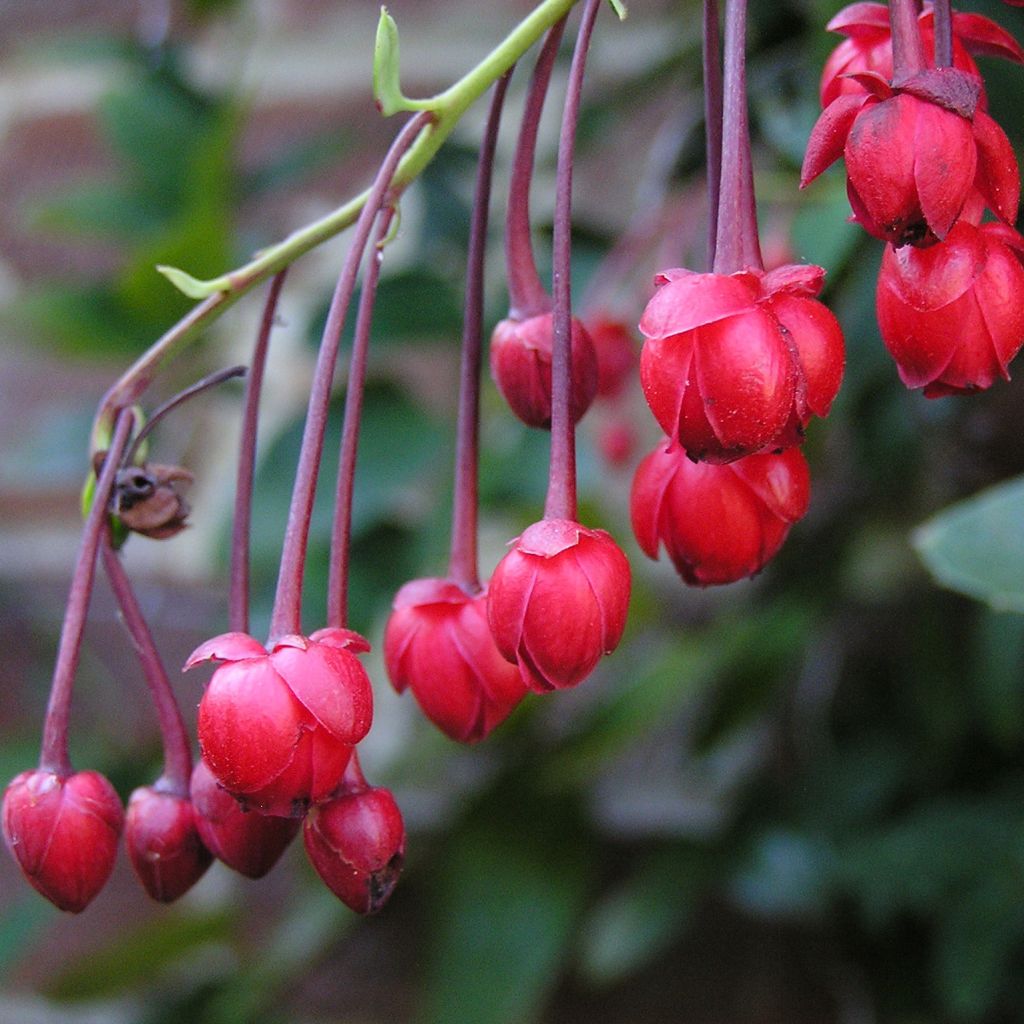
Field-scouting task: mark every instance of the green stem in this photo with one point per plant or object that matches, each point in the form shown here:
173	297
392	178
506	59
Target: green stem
221	292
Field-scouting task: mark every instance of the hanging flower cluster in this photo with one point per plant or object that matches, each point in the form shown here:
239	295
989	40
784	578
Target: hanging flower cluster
905	106
737	360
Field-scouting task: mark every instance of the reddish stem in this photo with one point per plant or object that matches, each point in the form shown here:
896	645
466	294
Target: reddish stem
238	600
943	33
341	530
177	751
526	294
462	562
736	245
907	48
53	756
287	613
712	58
561	497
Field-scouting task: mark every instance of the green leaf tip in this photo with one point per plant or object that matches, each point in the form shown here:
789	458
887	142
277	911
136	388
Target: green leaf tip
189	285
619	8
387	88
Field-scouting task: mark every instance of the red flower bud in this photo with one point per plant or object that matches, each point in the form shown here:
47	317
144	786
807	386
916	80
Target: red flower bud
356	842
718	524
438	644
558	601
521	368
247	841
277	728
869	46
616	353
616	441
63	832
914	154
163	843
735	364
952	316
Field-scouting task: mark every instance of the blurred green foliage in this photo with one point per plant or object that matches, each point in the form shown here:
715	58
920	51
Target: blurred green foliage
836	748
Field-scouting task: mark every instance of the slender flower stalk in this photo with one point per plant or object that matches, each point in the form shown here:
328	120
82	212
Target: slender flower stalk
462	562
943	33
907	48
737	246
527	295
561	496
177	750
286	614
341	529
712	59
238	599
161	411
54	754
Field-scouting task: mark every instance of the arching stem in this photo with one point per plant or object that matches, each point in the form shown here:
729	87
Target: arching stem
53	756
177	751
561	496
526	294
737	246
341	529
712	58
241	527
462	562
286	615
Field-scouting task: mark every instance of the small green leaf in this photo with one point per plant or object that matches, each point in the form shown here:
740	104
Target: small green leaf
191	286
387	89
619	8
977	546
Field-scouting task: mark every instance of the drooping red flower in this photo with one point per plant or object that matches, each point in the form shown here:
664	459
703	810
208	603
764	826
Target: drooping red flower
437	643
521	367
557	601
868	46
163	843
63	832
356	843
277	727
738	363
247	841
952	316
914	154
718	524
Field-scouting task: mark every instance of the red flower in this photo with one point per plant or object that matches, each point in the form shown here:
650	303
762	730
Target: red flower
914	154
869	46
718	524
521	367
558	601
247	841
735	364
952	316
356	842
438	644
63	832
163	843
277	727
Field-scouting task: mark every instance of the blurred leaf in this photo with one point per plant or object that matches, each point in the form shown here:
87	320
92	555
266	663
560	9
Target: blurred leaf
997	670
638	919
507	903
821	233
22	921
103	208
785	875
977	546
136	956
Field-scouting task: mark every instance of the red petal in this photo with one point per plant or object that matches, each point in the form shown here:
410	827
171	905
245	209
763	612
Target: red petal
332	686
794	279
982	35
226	647
693	300
944	165
665	375
998	178
828	137
342	639
855	19
782	481
650	482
